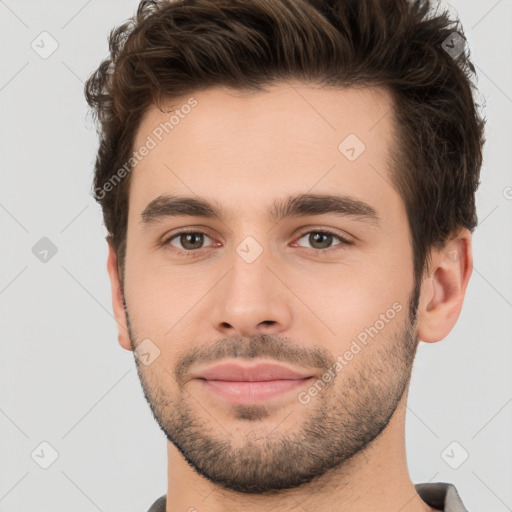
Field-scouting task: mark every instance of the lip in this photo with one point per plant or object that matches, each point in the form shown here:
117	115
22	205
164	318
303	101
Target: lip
255	373
241	384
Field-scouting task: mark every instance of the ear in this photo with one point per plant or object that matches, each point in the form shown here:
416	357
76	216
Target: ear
444	288
117	299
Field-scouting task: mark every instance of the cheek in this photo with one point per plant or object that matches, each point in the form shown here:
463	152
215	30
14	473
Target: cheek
153	302
351	298
163	301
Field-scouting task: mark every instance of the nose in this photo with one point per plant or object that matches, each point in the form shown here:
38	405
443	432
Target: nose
252	299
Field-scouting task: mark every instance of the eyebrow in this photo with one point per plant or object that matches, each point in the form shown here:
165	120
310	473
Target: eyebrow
301	205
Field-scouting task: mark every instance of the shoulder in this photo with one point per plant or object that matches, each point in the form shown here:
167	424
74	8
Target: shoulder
442	496
158	505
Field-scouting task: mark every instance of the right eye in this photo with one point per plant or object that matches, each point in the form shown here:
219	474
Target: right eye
190	241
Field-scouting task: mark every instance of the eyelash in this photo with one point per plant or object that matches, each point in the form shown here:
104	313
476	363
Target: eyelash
193	252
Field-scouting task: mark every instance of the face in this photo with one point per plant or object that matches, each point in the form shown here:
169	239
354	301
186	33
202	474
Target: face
321	285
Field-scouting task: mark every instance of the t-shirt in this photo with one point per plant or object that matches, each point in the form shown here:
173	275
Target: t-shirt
439	495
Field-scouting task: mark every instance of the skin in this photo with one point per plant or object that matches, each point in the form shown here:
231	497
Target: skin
345	449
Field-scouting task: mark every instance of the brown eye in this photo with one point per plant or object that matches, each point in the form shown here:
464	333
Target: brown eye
321	240
188	241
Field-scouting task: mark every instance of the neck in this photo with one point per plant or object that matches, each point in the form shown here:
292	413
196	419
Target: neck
376	478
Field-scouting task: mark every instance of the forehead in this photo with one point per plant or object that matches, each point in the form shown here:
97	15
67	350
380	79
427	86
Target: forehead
246	149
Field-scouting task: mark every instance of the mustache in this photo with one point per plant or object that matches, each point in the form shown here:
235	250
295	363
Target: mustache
259	346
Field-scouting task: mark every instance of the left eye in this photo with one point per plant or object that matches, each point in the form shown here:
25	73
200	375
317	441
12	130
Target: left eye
323	239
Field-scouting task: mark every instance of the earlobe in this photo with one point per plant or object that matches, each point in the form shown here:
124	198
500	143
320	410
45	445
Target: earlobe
117	299
444	289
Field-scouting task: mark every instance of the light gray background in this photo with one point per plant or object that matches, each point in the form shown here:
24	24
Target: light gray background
64	378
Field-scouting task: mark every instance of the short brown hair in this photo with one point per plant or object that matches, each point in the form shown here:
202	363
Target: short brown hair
171	48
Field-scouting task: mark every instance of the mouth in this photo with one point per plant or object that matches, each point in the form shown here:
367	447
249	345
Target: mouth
242	384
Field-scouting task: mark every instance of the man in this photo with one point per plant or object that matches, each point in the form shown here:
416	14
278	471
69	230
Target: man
289	193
